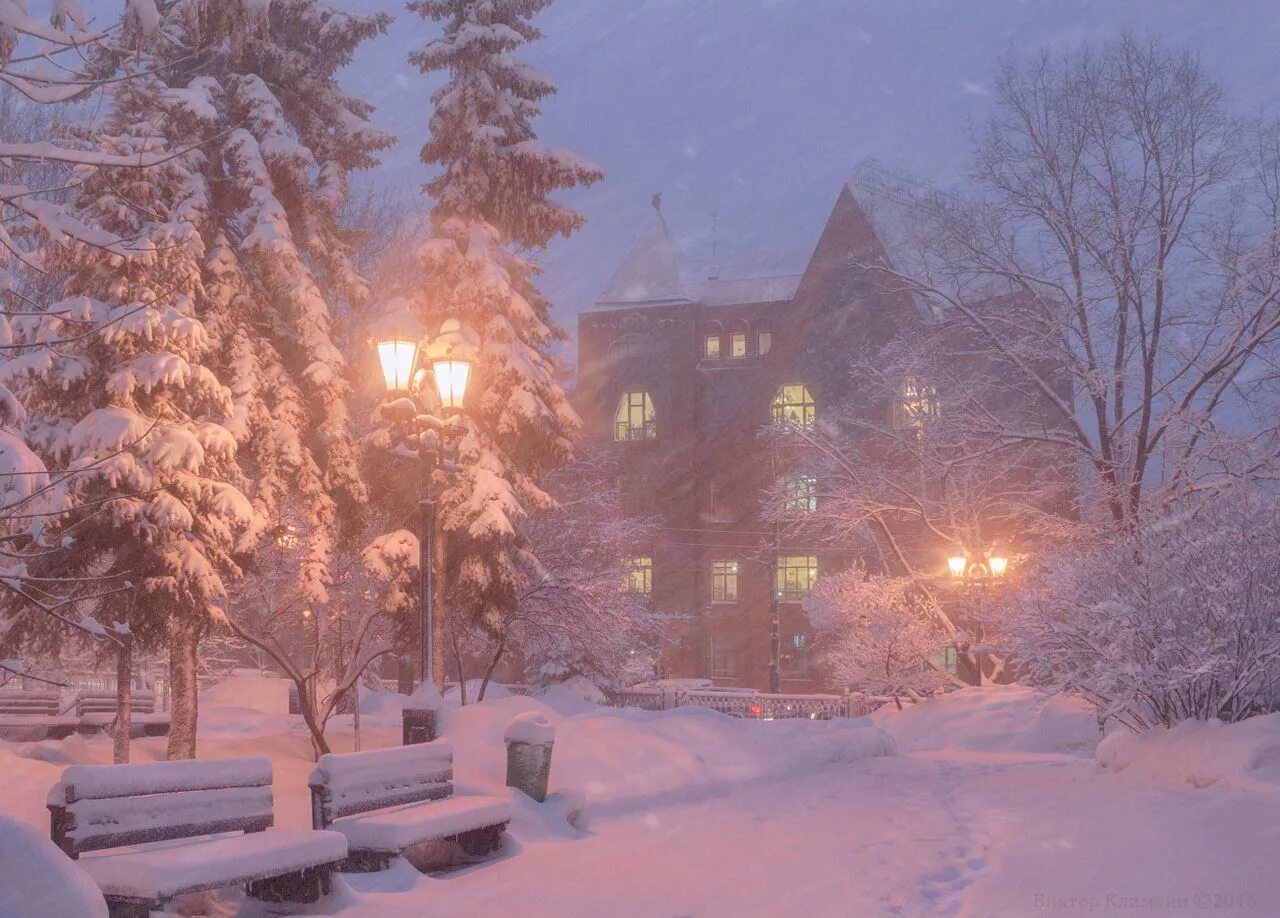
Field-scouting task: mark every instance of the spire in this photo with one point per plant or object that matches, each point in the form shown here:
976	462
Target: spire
651	270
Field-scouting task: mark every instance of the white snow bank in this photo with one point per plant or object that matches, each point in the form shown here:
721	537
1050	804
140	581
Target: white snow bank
995	718
251	691
1200	753
530	727
629	758
38	879
575	695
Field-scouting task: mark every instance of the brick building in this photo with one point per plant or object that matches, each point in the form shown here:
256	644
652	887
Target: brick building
679	372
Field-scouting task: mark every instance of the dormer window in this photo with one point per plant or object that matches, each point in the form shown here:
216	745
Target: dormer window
635	419
738	344
711	346
794	405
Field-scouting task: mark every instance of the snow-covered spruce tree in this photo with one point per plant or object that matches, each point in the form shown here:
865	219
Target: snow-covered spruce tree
127	403
279	138
491	203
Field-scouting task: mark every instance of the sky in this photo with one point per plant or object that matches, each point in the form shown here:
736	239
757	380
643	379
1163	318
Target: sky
755	111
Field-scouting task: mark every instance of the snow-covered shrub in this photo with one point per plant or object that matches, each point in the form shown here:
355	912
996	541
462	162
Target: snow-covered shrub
1179	620
879	634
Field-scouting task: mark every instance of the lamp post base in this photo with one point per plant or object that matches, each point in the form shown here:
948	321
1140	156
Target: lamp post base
419	726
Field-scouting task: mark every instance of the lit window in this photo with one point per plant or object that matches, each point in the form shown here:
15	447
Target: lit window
801	494
724	655
639	576
724	581
917	404
794	405
738	344
635	419
711	346
796	657
796	575
764	342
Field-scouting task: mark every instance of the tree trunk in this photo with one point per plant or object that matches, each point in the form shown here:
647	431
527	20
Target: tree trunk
308	704
462	673
493	665
124	701
438	601
184	636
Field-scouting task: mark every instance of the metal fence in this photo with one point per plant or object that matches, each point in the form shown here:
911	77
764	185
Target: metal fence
753	705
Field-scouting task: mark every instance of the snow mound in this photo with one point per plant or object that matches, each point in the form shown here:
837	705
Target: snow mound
995	718
38	879
627	759
530	728
251	691
575	695
1200	753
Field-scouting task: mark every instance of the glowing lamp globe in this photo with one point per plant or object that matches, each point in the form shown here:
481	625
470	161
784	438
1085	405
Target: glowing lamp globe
957	565
998	565
451	381
397	356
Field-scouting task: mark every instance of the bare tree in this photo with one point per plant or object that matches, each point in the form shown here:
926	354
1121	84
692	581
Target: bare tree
1118	256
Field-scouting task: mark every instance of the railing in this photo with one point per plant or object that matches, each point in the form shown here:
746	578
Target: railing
748	704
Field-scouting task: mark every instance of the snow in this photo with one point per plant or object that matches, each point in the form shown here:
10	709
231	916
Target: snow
164	872
38	879
101	781
997	718
1209	753
399	828
530	727
689	812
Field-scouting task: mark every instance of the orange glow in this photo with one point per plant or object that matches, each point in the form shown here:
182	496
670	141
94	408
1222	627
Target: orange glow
957	565
451	381
397	357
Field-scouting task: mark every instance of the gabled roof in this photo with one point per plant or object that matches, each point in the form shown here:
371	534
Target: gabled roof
650	273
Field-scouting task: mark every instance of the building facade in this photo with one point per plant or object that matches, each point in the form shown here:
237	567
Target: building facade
679	372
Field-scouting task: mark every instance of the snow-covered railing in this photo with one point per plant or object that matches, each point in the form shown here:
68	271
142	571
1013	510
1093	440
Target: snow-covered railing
747	703
768	707
647	699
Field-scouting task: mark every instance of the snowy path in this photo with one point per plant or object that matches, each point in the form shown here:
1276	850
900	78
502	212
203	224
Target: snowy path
920	834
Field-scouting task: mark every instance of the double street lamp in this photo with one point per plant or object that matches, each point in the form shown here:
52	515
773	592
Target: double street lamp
977	567
406	367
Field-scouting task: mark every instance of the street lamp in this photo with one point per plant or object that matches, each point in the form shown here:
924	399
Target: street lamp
448	359
975	566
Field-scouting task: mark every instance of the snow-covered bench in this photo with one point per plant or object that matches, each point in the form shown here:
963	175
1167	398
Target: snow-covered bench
34	716
97	712
96	807
387	800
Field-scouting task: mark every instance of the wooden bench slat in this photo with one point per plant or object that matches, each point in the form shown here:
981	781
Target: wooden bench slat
94	824
87	782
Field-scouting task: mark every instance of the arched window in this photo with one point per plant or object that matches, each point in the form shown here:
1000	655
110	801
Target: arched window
713	341
630	346
916	405
635	419
794	405
764	341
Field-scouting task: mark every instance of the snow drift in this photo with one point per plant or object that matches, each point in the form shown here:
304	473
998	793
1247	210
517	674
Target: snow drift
38	879
1200	753
995	718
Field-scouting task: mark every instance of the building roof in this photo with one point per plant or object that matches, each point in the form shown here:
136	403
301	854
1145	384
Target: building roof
656	272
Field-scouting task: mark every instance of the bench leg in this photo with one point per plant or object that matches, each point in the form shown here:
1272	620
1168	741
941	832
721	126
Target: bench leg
481	841
132	908
305	886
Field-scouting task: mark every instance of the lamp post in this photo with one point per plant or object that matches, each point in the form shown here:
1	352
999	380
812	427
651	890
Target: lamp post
982	567
448	366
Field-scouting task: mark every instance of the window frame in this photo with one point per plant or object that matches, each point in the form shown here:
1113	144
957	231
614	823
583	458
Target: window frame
782	405
800	493
788	576
736	339
708	352
728	646
640	566
764	342
626	431
724	581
